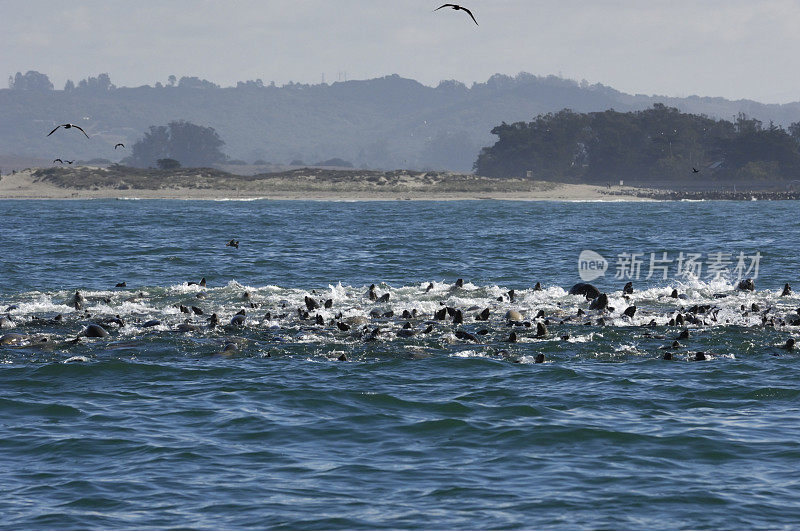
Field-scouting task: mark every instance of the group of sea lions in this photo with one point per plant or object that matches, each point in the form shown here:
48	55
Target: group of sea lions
374	317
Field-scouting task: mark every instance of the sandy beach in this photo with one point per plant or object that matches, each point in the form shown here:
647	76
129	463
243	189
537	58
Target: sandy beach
99	183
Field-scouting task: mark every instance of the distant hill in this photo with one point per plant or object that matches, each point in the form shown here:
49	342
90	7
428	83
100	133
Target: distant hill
389	122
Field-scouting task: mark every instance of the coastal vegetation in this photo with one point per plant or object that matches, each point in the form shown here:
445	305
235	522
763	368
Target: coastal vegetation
660	144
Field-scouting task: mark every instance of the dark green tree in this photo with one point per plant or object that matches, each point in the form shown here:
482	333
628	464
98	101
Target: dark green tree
191	144
101	83
168	164
30	80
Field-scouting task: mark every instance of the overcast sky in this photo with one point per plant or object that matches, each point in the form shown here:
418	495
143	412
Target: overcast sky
730	48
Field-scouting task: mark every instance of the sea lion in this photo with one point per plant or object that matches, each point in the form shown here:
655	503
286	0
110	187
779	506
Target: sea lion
587	290
539	358
600	302
541	330
197	311
789	345
628	289
537	287
238	320
787	290
466	336
440	315
121	285
458	317
483	316
459	283
383	298
430	287
230	348
311	304
342	326
747	285
630	311
94	330
512	338
514	316
78	301
700	356
12	339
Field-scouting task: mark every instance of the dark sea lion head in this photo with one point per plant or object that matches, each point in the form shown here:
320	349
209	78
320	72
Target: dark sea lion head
587	290
628	289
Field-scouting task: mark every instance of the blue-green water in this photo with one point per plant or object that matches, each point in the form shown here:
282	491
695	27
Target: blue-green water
152	427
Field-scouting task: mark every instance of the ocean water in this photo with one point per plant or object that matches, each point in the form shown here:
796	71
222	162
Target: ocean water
261	425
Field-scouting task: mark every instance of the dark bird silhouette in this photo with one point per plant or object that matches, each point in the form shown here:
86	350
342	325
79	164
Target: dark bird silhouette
58	160
68	126
695	170
120	145
69	161
233	243
459	8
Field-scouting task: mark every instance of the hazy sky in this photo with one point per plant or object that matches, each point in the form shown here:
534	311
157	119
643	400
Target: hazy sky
730	48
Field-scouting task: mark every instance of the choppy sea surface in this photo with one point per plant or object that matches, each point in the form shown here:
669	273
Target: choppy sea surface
321	406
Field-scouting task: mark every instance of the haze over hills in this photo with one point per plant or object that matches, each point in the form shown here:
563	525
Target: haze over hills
388	122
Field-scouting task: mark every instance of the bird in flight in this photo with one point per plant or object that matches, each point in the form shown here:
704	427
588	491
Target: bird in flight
695	170
459	8
233	243
58	160
120	145
68	126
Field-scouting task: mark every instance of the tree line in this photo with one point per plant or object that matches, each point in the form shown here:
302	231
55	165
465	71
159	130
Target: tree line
657	144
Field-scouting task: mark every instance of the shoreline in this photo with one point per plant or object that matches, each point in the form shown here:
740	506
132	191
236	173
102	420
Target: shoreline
202	184
32	185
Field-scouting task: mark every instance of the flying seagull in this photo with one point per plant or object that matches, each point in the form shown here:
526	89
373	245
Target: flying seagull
69	161
233	243
120	144
68	126
459	8
695	170
58	160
